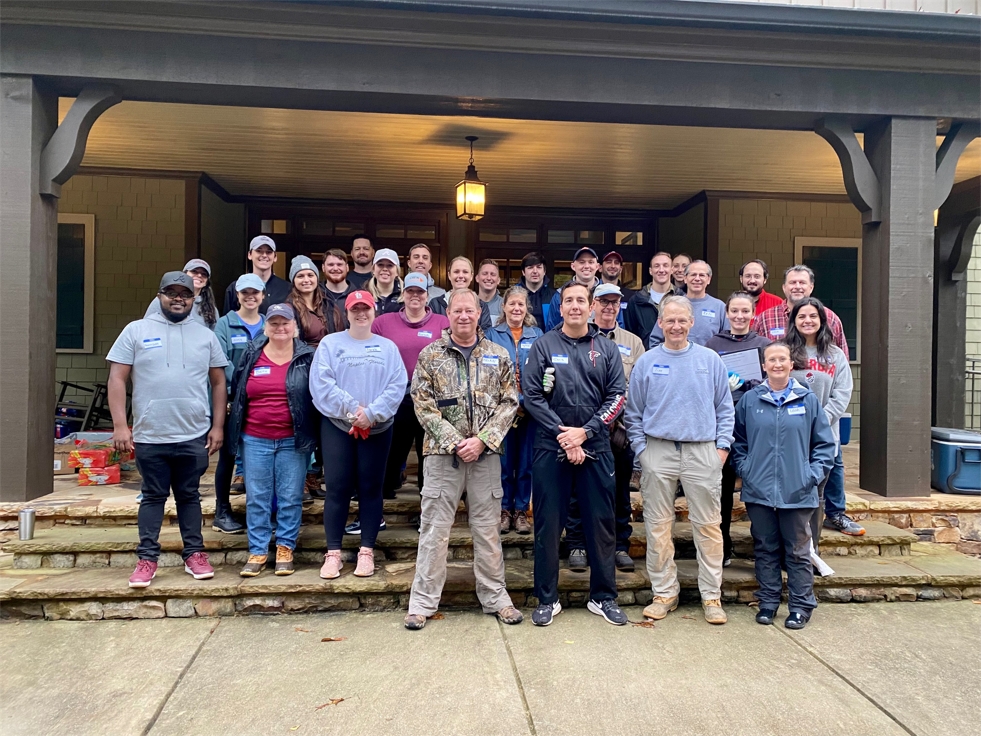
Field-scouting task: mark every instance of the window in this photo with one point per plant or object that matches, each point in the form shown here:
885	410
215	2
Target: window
623	238
837	265
76	283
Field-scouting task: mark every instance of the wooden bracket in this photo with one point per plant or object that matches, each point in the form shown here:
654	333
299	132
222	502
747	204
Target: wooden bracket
960	135
960	256
63	154
861	183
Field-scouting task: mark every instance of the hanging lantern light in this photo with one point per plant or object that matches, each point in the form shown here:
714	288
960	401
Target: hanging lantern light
471	193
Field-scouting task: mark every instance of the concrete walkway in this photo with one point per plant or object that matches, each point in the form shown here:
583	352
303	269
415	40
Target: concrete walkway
872	669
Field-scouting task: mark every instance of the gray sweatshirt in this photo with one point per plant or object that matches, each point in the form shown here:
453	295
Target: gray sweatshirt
348	373
710	320
831	383
680	395
170	376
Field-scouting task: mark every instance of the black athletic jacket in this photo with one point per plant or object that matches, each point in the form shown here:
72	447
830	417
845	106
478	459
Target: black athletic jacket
589	387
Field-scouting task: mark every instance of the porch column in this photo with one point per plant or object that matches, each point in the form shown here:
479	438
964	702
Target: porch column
28	282
897	309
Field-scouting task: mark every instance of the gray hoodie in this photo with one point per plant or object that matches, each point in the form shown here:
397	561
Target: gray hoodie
171	362
831	383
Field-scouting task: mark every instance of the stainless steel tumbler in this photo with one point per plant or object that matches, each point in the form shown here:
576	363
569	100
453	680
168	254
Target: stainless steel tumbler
25	519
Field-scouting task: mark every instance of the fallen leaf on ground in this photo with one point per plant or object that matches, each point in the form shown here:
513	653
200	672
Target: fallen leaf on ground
297	628
690	618
643	624
754	604
971	602
332	701
437	617
334	638
569	641
294	728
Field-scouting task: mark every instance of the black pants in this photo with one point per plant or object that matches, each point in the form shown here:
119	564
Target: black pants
406	431
178	466
783	534
223	474
552	483
728	489
623	463
350	464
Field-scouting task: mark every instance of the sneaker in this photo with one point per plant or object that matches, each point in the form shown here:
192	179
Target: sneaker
765	616
225	523
521	523
145	571
414	621
713	612
660	607
542	616
797	620
577	560
139	497
623	561
238	486
841	523
332	565
510	615
254	566
307	498
355	527
366	563
505	521
726	560
198	567
609	610
284	560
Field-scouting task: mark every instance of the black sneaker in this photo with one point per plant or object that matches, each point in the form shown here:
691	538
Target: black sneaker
355	527
609	610
841	523
623	561
797	620
765	616
542	616
577	560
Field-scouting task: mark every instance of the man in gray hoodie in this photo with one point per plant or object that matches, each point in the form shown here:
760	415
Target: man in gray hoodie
171	361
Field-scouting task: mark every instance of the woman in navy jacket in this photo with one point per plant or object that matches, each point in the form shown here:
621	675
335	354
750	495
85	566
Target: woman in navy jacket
783	450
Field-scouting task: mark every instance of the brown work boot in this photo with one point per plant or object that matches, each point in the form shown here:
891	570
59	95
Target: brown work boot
713	612
660	607
521	523
254	566
284	560
505	521
238	486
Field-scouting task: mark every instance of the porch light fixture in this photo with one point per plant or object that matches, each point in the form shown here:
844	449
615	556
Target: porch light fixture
471	193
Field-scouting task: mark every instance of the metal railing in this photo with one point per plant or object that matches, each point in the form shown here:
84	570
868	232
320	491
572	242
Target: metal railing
972	393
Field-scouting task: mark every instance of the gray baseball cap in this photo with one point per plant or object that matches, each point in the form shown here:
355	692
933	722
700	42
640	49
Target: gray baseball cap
176	278
280	310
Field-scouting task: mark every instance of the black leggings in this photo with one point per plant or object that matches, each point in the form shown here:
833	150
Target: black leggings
728	489
405	432
351	464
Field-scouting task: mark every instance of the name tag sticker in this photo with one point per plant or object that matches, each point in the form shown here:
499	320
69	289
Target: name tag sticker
624	350
708	313
425	333
152	342
777	331
794	410
263	370
661	370
526	345
493	360
372	348
239	339
560	359
623	305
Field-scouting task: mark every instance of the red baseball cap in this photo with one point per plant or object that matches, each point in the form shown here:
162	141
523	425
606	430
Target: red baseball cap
612	254
359	297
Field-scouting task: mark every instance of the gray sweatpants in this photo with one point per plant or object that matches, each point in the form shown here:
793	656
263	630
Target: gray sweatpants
441	492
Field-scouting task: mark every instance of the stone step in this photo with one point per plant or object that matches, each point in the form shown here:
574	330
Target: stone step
89	546
929	573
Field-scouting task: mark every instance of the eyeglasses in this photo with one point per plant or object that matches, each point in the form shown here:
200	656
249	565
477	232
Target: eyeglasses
609	303
176	296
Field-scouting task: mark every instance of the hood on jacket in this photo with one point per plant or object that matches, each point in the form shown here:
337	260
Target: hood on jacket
420	323
797	391
591	333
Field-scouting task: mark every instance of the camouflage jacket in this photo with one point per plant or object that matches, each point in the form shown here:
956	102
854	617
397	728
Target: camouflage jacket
455	401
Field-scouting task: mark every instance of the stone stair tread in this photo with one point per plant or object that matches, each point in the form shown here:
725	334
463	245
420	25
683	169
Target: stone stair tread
876	532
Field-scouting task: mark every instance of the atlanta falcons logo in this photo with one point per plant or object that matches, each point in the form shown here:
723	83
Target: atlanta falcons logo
593	355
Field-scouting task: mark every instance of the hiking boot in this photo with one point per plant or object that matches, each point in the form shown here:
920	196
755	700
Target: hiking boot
355	527
713	612
623	561
510	615
224	522
332	565
660	607
198	567
521	523
542	616
505	521
366	563
238	486
765	616
577	560
145	571
254	566
312	483
414	621
609	610
284	560
841	523
635	480
797	620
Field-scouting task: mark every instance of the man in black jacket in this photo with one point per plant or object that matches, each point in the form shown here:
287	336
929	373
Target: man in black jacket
262	253
642	309
534	280
574	386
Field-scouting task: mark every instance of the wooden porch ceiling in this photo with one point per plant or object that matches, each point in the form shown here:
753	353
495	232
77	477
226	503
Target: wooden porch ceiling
364	156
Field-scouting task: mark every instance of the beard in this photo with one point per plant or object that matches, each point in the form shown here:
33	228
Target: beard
174	317
755	293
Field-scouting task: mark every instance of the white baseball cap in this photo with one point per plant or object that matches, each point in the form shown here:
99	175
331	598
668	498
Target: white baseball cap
387	254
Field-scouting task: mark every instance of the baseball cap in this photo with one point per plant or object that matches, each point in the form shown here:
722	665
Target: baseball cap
301	263
607	290
612	254
197	263
359	297
416	280
280	310
585	252
249	281
176	278
387	254
262	240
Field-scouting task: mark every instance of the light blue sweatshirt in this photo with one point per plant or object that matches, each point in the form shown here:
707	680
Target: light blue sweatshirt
710	320
680	395
348	373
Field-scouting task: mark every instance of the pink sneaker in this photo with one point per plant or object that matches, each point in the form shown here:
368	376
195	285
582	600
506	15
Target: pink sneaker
332	565
198	567
143	574
366	563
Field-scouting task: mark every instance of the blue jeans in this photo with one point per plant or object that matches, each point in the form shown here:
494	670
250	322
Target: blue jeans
516	465
834	491
274	471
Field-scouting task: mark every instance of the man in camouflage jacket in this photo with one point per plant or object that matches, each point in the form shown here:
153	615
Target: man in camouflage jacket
465	398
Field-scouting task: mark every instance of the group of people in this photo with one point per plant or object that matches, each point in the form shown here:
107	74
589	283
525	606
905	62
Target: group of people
536	402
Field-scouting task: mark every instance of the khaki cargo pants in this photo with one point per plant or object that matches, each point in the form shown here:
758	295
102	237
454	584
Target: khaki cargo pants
441	492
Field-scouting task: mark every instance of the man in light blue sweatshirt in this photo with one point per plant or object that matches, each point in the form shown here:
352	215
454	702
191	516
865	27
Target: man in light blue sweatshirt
679	422
709	312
